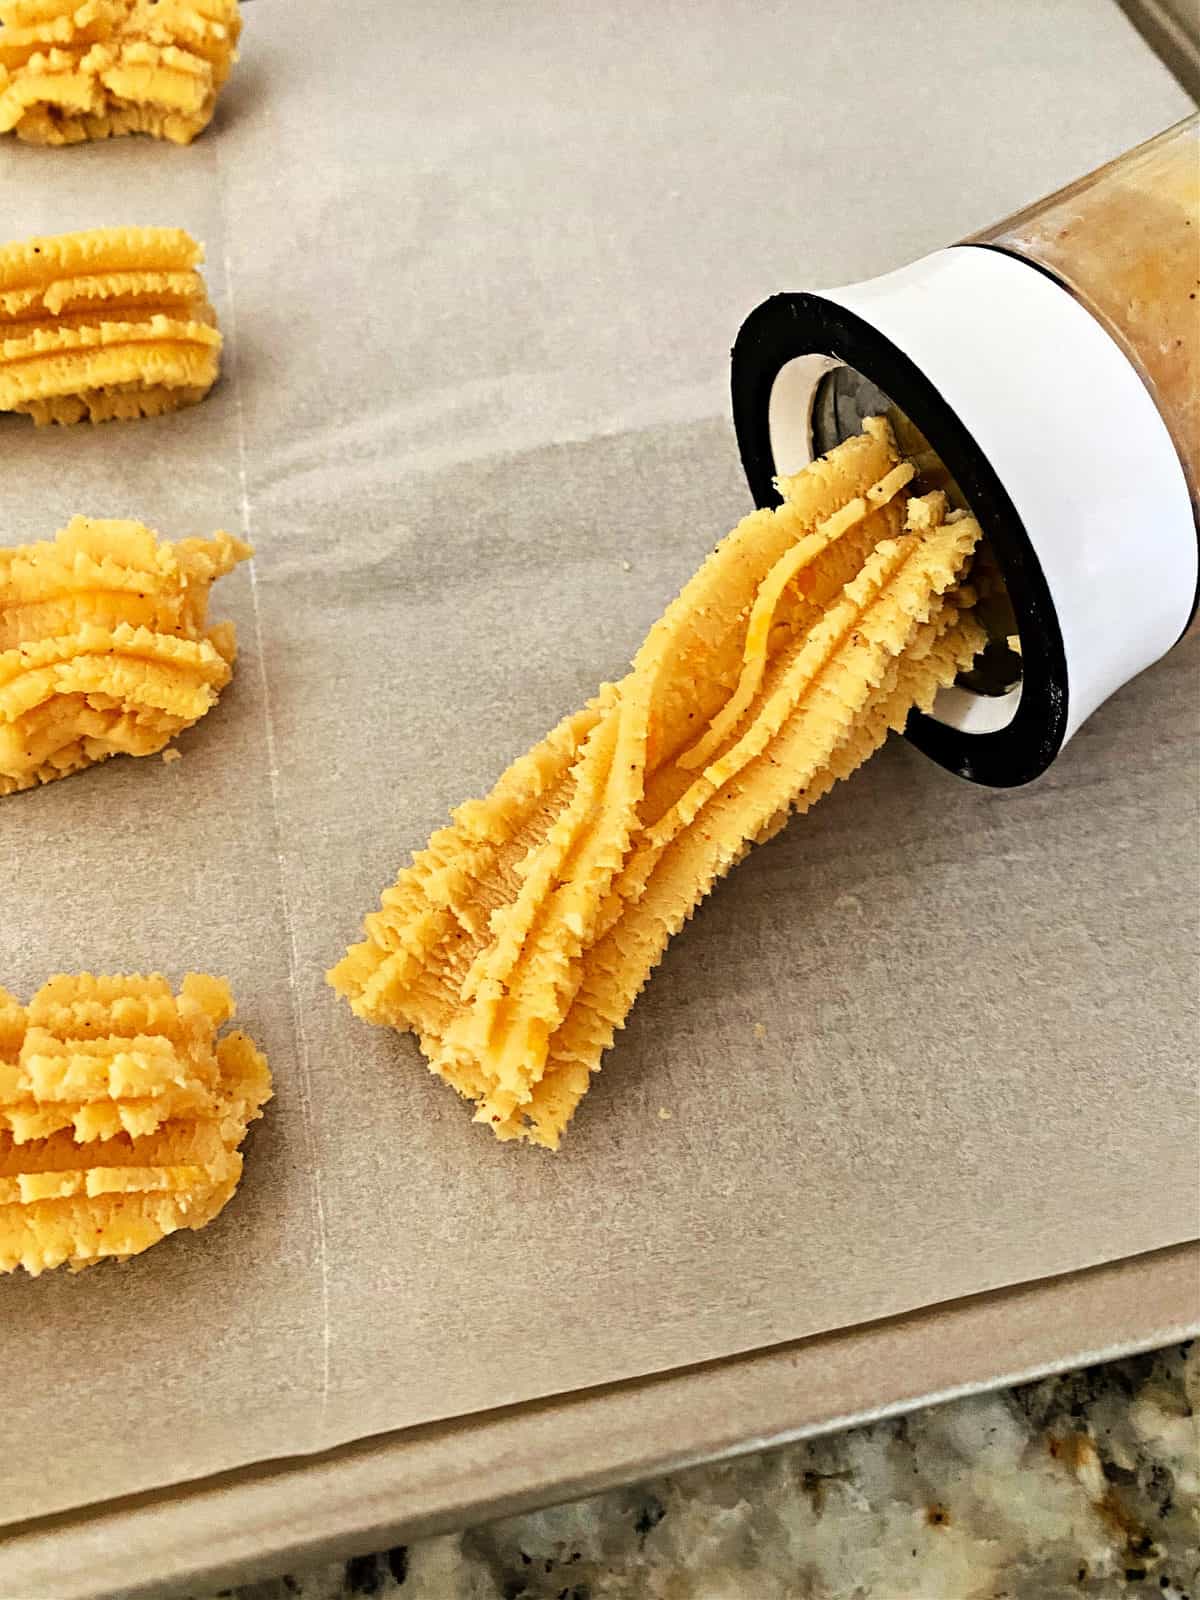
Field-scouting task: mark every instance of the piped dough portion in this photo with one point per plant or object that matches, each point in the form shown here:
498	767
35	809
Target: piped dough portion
122	1113
74	70
516	943
111	324
105	645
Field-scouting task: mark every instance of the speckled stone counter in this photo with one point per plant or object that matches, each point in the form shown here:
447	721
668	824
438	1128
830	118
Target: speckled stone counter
1082	1485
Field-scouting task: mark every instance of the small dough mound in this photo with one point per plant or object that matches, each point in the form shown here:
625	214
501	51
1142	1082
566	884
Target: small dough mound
73	70
516	943
110	324
105	646
121	1115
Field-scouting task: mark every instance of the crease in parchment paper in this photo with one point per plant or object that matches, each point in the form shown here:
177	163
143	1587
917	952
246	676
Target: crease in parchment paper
299	1033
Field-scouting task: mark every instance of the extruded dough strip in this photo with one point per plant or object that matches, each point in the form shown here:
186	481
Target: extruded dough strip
180	360
107	1068
29	1187
418	996
89	1120
512	1018
132	665
101	553
114	293
24	343
46	259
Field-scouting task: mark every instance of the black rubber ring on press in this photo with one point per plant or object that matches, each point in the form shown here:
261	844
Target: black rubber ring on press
791	325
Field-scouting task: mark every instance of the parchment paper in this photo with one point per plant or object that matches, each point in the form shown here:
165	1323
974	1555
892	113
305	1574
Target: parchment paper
479	268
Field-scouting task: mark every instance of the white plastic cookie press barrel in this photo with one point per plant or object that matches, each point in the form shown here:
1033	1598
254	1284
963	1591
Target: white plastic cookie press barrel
1073	434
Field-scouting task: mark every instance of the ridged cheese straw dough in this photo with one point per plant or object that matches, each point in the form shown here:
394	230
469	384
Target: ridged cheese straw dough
111	324
809	632
121	1115
73	70
105	645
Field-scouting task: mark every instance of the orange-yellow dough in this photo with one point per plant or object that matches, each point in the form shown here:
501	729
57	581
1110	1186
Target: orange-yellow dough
110	324
105	646
121	1115
72	70
517	941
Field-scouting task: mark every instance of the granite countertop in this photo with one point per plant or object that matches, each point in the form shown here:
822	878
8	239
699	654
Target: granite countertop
1087	1484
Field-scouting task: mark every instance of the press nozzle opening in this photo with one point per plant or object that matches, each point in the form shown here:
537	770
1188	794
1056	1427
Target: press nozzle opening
817	402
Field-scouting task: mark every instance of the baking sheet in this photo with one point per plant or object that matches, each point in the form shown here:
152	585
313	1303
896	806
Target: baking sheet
479	275
392	1488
